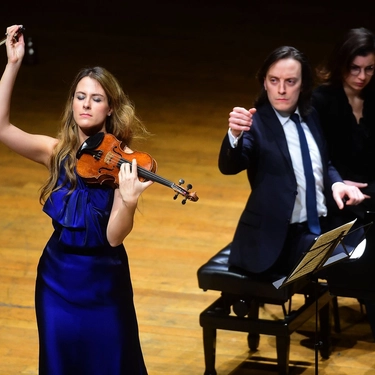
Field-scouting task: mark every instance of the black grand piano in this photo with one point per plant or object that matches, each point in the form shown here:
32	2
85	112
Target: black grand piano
356	277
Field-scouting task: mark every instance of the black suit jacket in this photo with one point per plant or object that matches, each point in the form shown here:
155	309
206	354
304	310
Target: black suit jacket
263	153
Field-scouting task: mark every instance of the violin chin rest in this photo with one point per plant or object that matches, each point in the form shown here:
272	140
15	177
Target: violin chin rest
90	143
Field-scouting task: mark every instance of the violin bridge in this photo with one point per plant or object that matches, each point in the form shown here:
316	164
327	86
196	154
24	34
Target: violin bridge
108	157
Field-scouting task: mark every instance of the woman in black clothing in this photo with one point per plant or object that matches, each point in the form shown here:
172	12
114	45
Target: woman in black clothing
345	102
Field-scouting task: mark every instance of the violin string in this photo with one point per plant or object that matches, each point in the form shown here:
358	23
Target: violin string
118	160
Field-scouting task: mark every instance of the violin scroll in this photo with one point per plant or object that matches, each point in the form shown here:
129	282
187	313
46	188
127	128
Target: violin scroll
191	196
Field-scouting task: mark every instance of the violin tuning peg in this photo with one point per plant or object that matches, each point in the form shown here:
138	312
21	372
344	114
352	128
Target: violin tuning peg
189	186
181	181
175	196
183	201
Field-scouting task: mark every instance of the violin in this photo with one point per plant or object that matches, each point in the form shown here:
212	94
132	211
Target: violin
100	157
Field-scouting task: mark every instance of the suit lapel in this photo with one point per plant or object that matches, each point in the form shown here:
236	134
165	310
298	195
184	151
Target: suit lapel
272	123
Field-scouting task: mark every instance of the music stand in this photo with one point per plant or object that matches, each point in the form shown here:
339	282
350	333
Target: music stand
318	257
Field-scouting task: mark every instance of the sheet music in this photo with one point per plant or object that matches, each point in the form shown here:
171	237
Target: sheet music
312	259
358	251
317	256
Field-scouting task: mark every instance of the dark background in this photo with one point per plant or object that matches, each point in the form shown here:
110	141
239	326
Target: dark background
183	53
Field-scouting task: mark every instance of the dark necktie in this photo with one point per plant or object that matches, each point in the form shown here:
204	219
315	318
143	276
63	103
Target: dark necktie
312	213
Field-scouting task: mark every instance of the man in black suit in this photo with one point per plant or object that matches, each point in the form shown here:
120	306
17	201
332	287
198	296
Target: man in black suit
275	227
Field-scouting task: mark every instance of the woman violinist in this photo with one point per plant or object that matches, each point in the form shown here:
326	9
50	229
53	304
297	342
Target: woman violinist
84	302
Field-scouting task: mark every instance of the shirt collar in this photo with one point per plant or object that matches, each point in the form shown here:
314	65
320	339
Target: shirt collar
284	119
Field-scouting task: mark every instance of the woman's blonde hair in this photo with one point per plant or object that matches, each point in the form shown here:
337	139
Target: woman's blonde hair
123	124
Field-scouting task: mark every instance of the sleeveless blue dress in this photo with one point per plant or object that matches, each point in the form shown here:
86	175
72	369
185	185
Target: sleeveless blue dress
84	299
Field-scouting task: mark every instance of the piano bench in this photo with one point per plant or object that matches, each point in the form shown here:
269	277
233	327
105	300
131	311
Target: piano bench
237	309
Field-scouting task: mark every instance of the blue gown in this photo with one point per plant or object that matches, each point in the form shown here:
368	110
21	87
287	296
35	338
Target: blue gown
84	300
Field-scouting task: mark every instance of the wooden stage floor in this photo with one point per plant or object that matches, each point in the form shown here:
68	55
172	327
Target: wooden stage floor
184	73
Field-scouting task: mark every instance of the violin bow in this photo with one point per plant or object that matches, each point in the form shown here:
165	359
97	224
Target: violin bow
19	31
